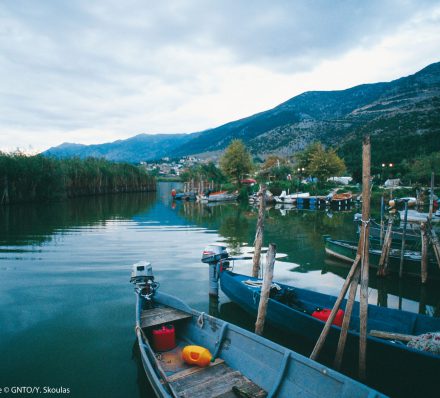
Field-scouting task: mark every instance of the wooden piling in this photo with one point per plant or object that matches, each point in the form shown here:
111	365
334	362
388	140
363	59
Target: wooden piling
320	343
431	197
363	313
346	321
382	205
402	249
435	243
265	289
258	243
383	262
424	262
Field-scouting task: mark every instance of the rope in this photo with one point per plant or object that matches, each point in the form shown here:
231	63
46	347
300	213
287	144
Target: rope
200	320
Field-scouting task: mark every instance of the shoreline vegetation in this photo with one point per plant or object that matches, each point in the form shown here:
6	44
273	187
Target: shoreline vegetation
45	179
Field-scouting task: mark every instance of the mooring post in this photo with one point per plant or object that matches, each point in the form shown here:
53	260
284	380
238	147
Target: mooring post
424	262
259	232
214	270
383	262
382	204
431	197
402	250
265	289
366	180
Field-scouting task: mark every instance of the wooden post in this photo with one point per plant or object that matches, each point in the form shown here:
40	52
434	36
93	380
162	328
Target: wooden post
265	289
320	343
402	250
346	322
424	262
383	262
431	197
435	244
366	177
258	243
382	204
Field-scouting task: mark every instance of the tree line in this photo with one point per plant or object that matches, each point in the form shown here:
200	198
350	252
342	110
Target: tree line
38	178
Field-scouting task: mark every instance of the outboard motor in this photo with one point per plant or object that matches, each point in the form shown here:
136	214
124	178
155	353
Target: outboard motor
143	279
216	256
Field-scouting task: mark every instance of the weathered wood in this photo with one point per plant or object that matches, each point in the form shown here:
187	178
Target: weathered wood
265	289
431	197
321	340
216	381
435	244
402	250
382	226
390	336
363	309
383	262
192	370
160	315
346	322
424	261
259	234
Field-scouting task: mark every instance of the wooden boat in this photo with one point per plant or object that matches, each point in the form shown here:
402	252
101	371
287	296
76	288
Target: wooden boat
412	202
417	217
346	251
246	365
412	236
290	198
341	199
183	195
219	196
411	371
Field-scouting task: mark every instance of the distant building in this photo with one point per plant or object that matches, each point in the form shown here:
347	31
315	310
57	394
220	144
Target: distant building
341	180
392	182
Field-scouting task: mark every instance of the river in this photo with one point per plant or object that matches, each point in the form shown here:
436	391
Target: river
66	305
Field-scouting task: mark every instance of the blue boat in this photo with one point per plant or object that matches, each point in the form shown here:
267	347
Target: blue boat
412	372
244	364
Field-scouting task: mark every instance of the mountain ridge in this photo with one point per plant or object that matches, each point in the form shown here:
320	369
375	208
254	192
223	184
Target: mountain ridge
333	117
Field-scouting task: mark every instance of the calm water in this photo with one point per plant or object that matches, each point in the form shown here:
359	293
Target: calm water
67	308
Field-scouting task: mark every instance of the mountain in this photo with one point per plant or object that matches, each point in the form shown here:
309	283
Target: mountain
135	149
332	116
402	116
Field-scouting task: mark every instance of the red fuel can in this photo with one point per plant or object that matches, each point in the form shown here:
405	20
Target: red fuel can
164	338
325	313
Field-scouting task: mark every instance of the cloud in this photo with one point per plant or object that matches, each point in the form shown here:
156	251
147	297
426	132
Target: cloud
96	71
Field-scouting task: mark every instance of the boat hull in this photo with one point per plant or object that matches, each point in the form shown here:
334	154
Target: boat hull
411	366
346	251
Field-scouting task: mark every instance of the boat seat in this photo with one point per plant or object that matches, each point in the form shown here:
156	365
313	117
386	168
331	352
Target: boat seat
215	382
161	314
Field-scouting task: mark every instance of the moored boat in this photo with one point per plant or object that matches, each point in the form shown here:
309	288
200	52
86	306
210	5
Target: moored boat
218	196
183	195
340	199
290	198
413	372
242	364
412	235
418	217
346	251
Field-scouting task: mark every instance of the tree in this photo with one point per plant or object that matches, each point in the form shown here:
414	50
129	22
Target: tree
236	161
325	163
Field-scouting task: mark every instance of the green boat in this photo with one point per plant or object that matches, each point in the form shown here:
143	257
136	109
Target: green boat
346	251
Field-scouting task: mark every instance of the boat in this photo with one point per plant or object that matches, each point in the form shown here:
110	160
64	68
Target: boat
218	196
183	195
411	372
412	202
254	199
290	198
340	199
412	235
417	217
243	364
346	251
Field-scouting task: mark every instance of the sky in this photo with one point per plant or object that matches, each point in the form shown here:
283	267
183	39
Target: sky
97	71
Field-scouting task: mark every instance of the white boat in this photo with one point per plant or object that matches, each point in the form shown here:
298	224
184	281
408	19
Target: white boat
415	216
290	198
411	201
219	196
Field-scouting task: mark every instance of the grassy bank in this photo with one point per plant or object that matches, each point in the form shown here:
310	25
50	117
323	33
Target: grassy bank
41	179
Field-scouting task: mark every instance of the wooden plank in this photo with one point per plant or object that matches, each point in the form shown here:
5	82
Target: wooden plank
215	382
391	336
192	370
160	315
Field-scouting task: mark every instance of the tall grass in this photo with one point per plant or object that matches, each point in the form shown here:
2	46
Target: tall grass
38	178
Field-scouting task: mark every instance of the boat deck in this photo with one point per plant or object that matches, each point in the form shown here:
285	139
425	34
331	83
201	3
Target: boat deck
217	380
161	314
